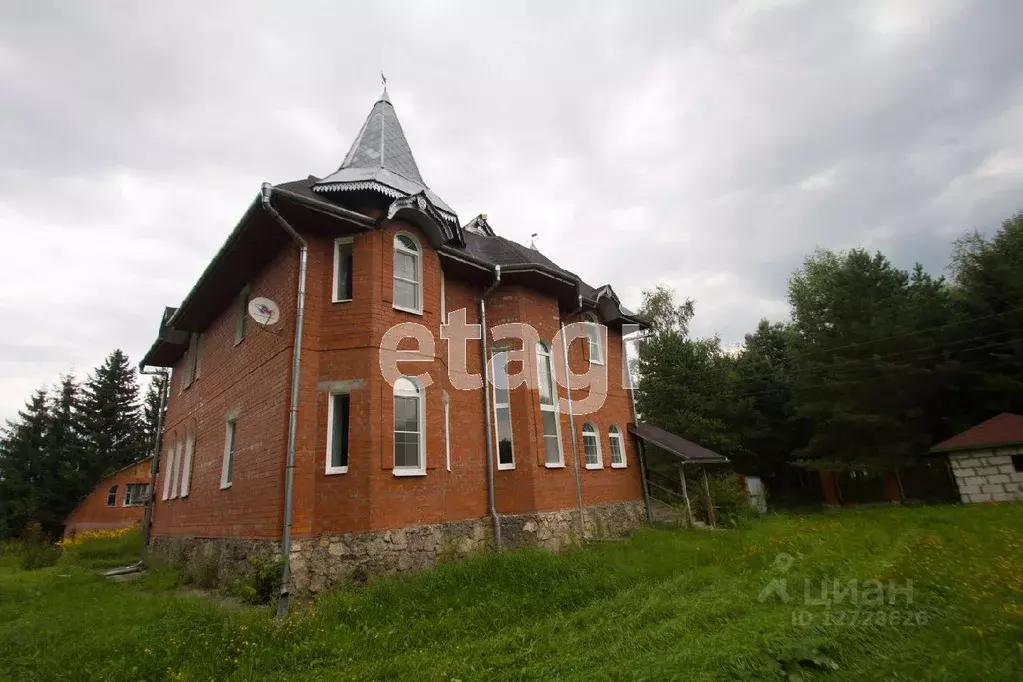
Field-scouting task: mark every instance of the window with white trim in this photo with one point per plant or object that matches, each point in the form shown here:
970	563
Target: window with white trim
617	445
502	410
179	452
198	355
168	465
343	269
241	315
447	433
409	422
553	454
443	299
408	274
135	494
186	466
338	410
191	360
593	338
591	447
230	450
112	496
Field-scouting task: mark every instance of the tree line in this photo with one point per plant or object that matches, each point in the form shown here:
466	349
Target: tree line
66	439
874	367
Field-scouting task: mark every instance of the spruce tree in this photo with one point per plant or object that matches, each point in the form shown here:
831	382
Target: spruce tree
112	427
66	449
151	408
24	469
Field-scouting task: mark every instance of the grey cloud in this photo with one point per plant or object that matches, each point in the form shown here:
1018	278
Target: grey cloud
705	145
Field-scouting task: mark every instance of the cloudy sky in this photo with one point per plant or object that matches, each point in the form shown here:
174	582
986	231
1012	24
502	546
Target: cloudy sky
705	145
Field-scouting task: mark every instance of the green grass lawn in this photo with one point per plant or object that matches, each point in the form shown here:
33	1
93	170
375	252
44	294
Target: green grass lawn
664	605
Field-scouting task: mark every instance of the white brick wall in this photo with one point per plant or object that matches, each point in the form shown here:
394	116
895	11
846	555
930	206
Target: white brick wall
988	475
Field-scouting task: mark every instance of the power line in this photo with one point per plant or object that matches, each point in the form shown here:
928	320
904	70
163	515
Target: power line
854	361
863	380
912	333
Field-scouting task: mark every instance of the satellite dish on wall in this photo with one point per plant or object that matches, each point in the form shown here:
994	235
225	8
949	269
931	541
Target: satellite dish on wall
264	311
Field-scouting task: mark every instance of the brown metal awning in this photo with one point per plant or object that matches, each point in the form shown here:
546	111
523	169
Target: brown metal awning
687	450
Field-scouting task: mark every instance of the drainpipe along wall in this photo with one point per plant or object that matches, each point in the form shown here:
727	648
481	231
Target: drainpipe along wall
640	445
296	364
571	423
147	521
486	402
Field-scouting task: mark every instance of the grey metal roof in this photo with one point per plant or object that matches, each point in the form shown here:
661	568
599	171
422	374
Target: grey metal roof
687	450
381	160
505	252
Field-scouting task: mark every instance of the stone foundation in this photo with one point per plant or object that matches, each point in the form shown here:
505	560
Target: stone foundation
319	563
223	559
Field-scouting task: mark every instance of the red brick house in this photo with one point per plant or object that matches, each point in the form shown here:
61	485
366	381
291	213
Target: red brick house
118	501
348	470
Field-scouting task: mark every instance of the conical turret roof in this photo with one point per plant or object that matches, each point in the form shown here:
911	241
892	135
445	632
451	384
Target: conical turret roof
380	159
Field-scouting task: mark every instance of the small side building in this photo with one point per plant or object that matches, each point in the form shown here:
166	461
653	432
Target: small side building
118	501
987	460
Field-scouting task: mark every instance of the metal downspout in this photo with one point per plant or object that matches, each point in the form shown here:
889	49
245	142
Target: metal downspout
641	446
155	468
296	363
571	424
491	498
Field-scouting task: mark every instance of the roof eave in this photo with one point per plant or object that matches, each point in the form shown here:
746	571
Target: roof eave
939	449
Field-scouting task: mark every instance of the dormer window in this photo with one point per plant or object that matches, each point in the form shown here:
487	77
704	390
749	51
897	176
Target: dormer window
593	338
408	274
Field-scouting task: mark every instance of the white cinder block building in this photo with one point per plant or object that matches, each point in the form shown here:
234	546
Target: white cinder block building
987	460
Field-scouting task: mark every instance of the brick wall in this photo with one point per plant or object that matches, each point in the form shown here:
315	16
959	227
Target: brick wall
987	475
249	380
93	512
341	343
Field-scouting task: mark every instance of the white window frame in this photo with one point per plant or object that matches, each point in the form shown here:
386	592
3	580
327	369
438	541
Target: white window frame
338	243
186	467
544	354
495	406
614	434
112	490
129	486
443	299
418	255
191	360
447	433
179	449
329	467
167	474
198	356
242	314
595	433
420	395
230	443
594	339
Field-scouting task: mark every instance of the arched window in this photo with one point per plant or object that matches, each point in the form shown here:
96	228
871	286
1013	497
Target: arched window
591	447
408	274
502	410
549	407
614	439
409	436
593	337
